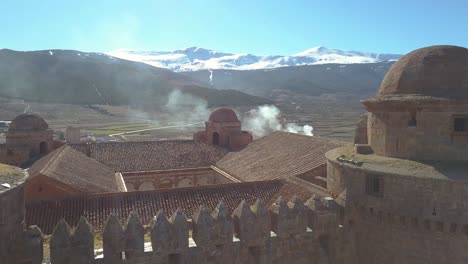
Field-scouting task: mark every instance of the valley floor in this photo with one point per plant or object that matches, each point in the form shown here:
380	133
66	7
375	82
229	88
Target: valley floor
331	117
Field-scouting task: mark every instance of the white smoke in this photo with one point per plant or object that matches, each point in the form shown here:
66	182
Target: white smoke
308	130
265	119
186	108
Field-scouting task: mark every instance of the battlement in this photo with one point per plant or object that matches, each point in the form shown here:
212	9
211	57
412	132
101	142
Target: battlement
287	231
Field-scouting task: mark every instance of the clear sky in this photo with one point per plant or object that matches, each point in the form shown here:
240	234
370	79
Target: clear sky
242	26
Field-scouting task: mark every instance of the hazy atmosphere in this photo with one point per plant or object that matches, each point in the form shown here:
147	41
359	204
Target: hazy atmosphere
233	132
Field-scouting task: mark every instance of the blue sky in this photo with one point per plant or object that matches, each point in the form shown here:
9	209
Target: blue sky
248	26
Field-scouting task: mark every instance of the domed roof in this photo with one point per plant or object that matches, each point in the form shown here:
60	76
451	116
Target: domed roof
28	122
436	71
223	115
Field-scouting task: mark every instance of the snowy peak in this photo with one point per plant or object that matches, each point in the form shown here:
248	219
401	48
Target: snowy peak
195	58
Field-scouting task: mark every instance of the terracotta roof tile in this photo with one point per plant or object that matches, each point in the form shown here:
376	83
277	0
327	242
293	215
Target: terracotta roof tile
277	156
153	155
72	168
97	207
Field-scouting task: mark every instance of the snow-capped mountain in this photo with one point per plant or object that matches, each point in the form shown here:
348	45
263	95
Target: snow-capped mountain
194	59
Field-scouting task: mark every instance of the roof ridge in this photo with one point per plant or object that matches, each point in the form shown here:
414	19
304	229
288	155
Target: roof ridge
83	179
59	152
182	189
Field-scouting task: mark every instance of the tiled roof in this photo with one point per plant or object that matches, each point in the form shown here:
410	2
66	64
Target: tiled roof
72	168
277	156
97	207
153	155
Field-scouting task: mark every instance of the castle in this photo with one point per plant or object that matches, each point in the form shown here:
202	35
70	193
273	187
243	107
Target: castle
397	195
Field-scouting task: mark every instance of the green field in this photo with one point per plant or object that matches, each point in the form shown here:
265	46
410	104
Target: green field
115	129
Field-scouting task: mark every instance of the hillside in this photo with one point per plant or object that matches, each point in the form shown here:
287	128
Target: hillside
66	76
358	80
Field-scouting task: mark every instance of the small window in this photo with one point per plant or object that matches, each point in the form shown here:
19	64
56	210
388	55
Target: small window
412	122
374	186
459	125
427	224
453	228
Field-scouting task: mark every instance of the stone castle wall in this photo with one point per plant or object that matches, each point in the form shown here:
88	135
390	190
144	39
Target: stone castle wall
432	137
387	238
11	221
23	145
288	232
413	220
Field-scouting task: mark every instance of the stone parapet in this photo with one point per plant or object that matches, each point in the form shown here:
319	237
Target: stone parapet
288	232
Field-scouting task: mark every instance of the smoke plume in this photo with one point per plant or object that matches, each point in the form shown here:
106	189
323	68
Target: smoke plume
265	119
186	108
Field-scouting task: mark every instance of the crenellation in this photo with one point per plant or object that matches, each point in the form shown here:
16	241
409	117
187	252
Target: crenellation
180	232
288	219
134	237
213	234
113	240
320	217
246	236
60	243
82	243
33	250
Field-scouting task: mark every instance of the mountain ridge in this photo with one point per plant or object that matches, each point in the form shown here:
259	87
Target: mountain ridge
76	77
196	58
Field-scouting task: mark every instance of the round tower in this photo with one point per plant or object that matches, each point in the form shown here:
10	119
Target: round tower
403	189
27	138
421	109
223	128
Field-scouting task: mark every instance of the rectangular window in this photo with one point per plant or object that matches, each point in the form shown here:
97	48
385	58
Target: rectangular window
453	228
374	185
427	224
460	124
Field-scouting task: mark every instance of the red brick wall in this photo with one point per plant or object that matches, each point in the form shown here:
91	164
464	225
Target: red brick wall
43	188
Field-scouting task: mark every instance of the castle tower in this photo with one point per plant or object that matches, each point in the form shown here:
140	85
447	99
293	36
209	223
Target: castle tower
403	188
421	110
72	135
223	128
28	137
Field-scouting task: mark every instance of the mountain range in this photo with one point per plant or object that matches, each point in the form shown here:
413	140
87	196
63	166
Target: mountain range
68	76
196	59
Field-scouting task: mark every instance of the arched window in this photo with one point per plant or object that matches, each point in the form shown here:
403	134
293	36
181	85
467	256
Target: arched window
43	148
215	138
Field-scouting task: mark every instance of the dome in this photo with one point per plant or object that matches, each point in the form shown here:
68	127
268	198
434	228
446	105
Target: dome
28	122
223	115
436	71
